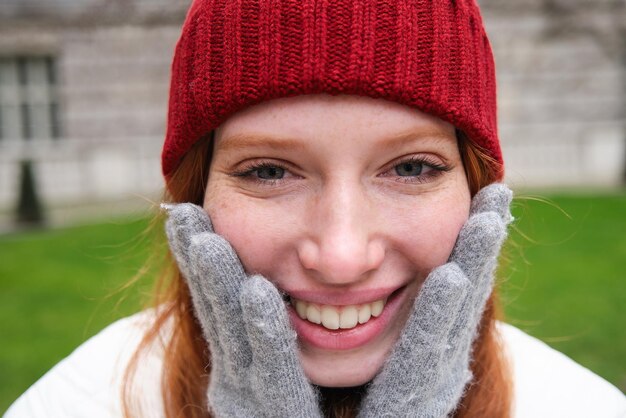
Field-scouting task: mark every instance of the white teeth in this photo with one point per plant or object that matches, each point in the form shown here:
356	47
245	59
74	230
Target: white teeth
335	317
377	307
349	317
300	308
313	314
330	317
365	313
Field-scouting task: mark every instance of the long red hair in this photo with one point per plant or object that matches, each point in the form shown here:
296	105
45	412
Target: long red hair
186	360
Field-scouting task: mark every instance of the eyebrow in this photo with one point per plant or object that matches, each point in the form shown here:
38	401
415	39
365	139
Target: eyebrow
436	134
241	141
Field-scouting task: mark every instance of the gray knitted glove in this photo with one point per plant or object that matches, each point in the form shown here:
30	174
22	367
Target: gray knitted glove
427	371
255	369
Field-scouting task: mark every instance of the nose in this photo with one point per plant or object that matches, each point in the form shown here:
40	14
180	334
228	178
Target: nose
342	246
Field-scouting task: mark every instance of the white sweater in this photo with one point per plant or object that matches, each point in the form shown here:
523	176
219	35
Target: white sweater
88	382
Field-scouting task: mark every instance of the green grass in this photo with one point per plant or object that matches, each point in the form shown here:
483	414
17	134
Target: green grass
563	282
59	287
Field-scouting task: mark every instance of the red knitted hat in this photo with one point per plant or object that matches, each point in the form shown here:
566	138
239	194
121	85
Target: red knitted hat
433	55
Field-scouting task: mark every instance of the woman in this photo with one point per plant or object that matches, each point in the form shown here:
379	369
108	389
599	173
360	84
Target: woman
334	228
347	205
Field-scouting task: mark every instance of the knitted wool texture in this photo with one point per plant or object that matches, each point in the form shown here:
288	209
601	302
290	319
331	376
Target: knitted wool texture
432	55
255	369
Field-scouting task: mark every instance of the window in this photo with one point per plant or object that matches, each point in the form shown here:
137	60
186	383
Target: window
28	98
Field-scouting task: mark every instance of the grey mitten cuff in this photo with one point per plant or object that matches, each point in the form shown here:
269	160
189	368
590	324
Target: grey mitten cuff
428	369
255	370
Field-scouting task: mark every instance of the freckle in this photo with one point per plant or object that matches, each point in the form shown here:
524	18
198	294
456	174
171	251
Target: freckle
223	205
211	206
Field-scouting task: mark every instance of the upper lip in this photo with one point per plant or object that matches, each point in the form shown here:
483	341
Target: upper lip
342	297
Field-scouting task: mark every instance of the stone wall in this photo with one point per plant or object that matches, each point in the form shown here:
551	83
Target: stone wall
92	12
113	82
561	84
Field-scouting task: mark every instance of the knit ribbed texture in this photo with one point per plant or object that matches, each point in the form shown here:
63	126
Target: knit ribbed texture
255	368
429	54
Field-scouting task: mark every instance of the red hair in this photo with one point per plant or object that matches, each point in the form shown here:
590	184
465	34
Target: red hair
186	360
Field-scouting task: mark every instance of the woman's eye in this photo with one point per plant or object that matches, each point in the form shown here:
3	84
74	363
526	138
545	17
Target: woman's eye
417	169
264	173
409	168
270	172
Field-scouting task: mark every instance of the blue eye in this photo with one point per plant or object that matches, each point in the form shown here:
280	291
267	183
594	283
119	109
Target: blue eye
270	172
409	168
264	173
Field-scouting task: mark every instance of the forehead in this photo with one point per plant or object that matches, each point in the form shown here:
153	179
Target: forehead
311	117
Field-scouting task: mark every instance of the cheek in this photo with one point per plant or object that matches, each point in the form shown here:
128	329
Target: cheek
431	230
260	235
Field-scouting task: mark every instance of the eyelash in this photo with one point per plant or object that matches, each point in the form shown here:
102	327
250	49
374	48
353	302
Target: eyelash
437	169
247	173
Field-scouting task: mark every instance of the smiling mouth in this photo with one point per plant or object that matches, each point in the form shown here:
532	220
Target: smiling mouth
323	326
338	317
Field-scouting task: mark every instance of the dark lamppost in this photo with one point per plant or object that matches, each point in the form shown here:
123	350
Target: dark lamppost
29	210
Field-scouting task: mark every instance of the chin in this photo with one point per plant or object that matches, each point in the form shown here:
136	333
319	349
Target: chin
337	370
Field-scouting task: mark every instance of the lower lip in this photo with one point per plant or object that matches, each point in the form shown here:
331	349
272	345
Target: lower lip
346	339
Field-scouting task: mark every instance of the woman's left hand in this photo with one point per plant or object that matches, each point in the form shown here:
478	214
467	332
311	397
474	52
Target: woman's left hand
428	369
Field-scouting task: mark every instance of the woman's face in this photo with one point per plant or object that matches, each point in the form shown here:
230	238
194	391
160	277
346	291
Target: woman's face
345	203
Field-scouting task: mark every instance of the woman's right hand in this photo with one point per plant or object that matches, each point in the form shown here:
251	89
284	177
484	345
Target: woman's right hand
255	369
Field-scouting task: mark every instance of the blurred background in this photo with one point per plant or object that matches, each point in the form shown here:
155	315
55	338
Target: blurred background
83	96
